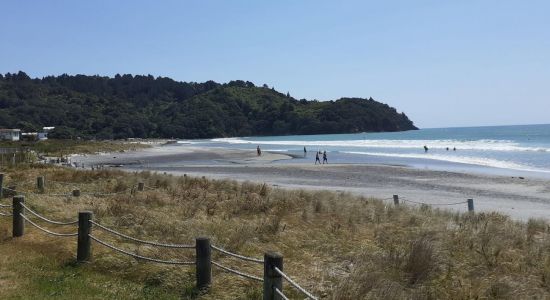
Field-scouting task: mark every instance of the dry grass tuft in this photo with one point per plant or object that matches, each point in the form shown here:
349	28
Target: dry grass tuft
335	244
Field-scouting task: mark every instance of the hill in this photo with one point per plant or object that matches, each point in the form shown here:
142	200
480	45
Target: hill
148	107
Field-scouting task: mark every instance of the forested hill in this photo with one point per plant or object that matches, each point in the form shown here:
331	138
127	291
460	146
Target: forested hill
148	107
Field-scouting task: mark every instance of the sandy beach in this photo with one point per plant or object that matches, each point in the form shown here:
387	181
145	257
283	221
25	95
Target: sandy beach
519	197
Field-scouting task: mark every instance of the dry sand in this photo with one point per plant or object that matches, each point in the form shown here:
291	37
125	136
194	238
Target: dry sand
520	198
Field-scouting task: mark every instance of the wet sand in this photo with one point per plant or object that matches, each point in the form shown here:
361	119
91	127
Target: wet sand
520	198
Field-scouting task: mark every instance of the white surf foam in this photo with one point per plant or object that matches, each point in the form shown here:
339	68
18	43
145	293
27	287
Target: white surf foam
487	162
481	145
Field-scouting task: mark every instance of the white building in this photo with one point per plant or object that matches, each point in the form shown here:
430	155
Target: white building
44	134
10	134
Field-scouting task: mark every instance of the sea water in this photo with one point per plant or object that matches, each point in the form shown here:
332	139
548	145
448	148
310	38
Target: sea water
508	150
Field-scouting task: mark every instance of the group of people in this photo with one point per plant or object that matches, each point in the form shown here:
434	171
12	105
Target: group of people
325	160
317	155
426	148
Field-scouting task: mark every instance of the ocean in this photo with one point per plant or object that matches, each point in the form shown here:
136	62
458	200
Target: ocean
520	150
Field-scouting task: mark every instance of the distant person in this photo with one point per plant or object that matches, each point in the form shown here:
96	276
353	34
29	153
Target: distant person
447	148
425	148
317	158
305	151
258	150
454	148
325	160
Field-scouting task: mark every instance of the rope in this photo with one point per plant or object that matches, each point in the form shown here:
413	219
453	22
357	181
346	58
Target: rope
293	283
237	255
8	189
4	205
47	220
455	203
141	241
56	195
237	272
46	230
168	262
278	292
103	194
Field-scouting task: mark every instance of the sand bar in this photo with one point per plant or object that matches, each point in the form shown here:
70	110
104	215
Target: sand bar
520	198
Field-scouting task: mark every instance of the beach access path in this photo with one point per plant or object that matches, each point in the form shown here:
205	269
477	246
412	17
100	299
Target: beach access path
519	197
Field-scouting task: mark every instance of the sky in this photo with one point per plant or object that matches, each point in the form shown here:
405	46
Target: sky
443	63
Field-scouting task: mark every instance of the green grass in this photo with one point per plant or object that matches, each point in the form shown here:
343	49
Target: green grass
38	275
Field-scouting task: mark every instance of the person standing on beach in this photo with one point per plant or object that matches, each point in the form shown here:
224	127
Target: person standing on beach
317	158
425	148
305	151
258	150
325	160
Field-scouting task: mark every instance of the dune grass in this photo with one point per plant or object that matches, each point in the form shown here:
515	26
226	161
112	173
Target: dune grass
53	147
336	245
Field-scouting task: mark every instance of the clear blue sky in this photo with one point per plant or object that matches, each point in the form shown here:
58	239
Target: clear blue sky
445	63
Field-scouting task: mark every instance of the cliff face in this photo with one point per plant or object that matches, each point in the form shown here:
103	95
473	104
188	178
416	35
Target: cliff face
147	107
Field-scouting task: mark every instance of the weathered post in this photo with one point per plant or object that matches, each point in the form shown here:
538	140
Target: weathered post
470	204
396	199
203	262
141	186
1	185
76	193
40	183
272	279
18	227
83	250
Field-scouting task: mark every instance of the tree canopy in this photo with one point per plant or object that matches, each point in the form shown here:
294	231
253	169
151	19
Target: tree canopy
139	106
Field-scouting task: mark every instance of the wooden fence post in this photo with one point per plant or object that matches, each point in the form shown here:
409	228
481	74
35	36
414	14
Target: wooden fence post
396	199
272	279
1	185
141	186
203	262
470	204
83	250
18	227
76	193
40	183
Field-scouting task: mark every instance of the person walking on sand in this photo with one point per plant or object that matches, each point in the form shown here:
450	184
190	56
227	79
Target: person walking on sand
317	158
258	150
325	160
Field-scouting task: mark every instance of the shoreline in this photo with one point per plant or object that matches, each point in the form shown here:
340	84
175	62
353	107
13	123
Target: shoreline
521	199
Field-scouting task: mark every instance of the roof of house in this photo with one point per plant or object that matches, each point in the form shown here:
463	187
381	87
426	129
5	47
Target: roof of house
9	130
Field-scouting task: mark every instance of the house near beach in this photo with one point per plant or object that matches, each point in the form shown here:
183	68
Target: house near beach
10	134
44	134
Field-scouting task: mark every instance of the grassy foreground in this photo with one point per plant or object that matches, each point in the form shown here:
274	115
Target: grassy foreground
334	244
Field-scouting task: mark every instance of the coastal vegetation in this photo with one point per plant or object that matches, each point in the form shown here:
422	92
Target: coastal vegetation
127	106
337	245
61	147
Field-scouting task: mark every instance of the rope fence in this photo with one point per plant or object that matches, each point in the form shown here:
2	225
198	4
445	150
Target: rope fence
248	276
46	219
261	261
294	284
122	235
278	292
137	256
272	263
433	204
46	230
